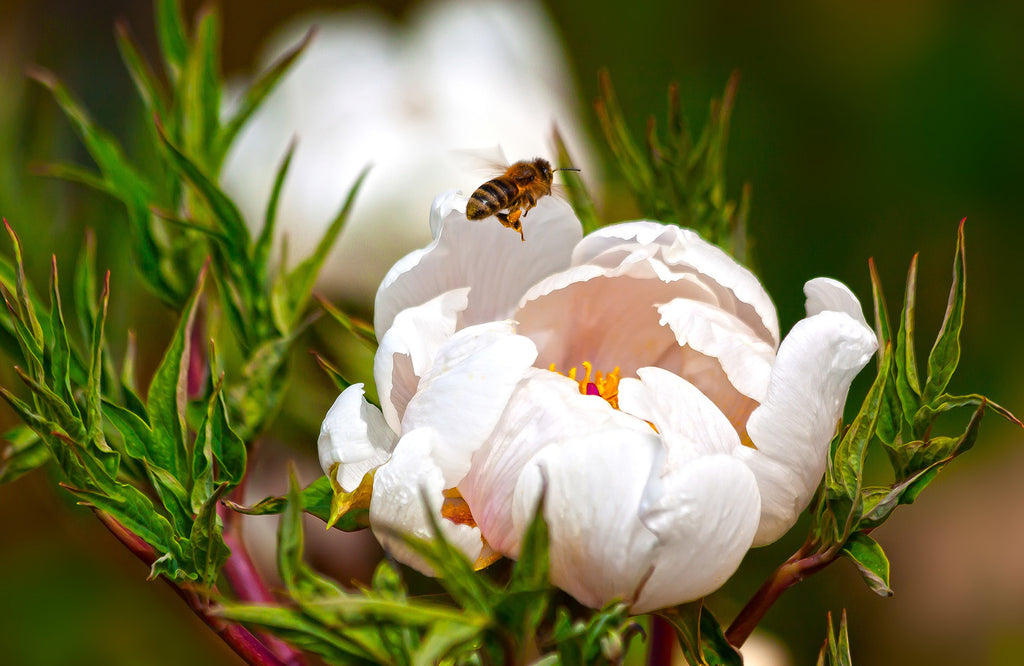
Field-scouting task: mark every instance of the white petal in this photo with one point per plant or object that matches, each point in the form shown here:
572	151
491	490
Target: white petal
397	506
683	249
355	435
690	424
825	294
792	428
408	349
599	548
484	255
705	515
545	408
466	390
745	358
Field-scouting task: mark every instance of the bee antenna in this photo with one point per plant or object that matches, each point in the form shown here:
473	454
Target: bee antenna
566	169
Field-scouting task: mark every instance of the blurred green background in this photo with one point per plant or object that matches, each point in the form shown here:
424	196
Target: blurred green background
865	129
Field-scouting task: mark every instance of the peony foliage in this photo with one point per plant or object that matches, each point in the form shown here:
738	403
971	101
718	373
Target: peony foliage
162	470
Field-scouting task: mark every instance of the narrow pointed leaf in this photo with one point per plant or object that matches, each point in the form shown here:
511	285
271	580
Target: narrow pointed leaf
261	250
170	30
945	354
146	83
582	202
908	386
23	451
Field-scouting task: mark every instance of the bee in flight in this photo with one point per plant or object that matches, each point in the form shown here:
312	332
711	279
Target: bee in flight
515	191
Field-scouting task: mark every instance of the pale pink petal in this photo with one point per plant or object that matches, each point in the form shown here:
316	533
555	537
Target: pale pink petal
704	515
404	490
593	485
745	358
465	391
682	249
408	349
793	427
483	255
592	314
354	435
545	408
690	425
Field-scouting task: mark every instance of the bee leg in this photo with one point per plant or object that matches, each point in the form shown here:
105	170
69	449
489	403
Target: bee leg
529	201
512	221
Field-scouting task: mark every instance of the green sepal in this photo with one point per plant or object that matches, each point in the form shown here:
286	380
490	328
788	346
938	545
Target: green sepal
945	354
700	635
870	561
836	649
316	501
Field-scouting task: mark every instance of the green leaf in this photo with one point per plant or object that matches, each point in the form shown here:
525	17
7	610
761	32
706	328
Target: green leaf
528	592
292	294
294	627
255	94
200	89
146	83
170	30
908	386
836	650
581	201
135	511
360	329
24	452
26	309
60	349
700	636
261	250
301	581
339	380
168	391
206	542
441	640
945	354
94	384
216	442
870	560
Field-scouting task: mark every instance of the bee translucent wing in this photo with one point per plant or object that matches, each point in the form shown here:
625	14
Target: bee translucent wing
481	161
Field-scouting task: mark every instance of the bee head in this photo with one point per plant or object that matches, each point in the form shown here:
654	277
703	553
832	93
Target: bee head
544	168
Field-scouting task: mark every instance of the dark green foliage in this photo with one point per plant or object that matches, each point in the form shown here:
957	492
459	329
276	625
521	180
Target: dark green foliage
836	650
676	179
700	636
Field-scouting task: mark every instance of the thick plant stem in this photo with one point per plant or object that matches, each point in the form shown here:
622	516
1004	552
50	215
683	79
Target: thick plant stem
801	565
238	638
662	642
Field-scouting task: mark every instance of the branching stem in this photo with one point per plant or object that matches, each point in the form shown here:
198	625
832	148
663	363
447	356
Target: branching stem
802	564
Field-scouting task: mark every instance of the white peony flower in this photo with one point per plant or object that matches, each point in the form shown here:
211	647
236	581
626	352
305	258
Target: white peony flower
685	433
367	90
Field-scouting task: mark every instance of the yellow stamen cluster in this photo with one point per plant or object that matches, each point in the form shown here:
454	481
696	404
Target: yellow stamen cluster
594	382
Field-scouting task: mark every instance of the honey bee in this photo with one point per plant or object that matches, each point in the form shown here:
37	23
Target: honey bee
515	191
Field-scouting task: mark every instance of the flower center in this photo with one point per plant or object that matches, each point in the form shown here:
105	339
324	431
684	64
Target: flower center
594	382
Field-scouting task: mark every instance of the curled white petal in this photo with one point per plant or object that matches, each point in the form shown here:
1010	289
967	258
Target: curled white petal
404	490
466	389
705	515
824	294
792	428
599	548
354	435
406	352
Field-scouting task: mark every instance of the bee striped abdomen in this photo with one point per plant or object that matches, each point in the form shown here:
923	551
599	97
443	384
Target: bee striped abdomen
489	198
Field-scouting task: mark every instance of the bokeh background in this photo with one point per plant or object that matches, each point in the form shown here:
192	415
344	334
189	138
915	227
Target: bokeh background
865	129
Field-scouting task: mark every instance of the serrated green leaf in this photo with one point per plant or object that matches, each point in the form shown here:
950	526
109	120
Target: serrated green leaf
170	30
24	452
255	94
133	510
945	354
908	386
870	561
293	293
168	391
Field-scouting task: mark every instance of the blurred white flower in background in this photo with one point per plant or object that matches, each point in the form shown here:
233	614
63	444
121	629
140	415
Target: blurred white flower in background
404	96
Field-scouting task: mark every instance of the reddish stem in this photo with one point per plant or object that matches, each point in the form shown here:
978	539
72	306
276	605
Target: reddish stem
662	642
802	564
238	638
